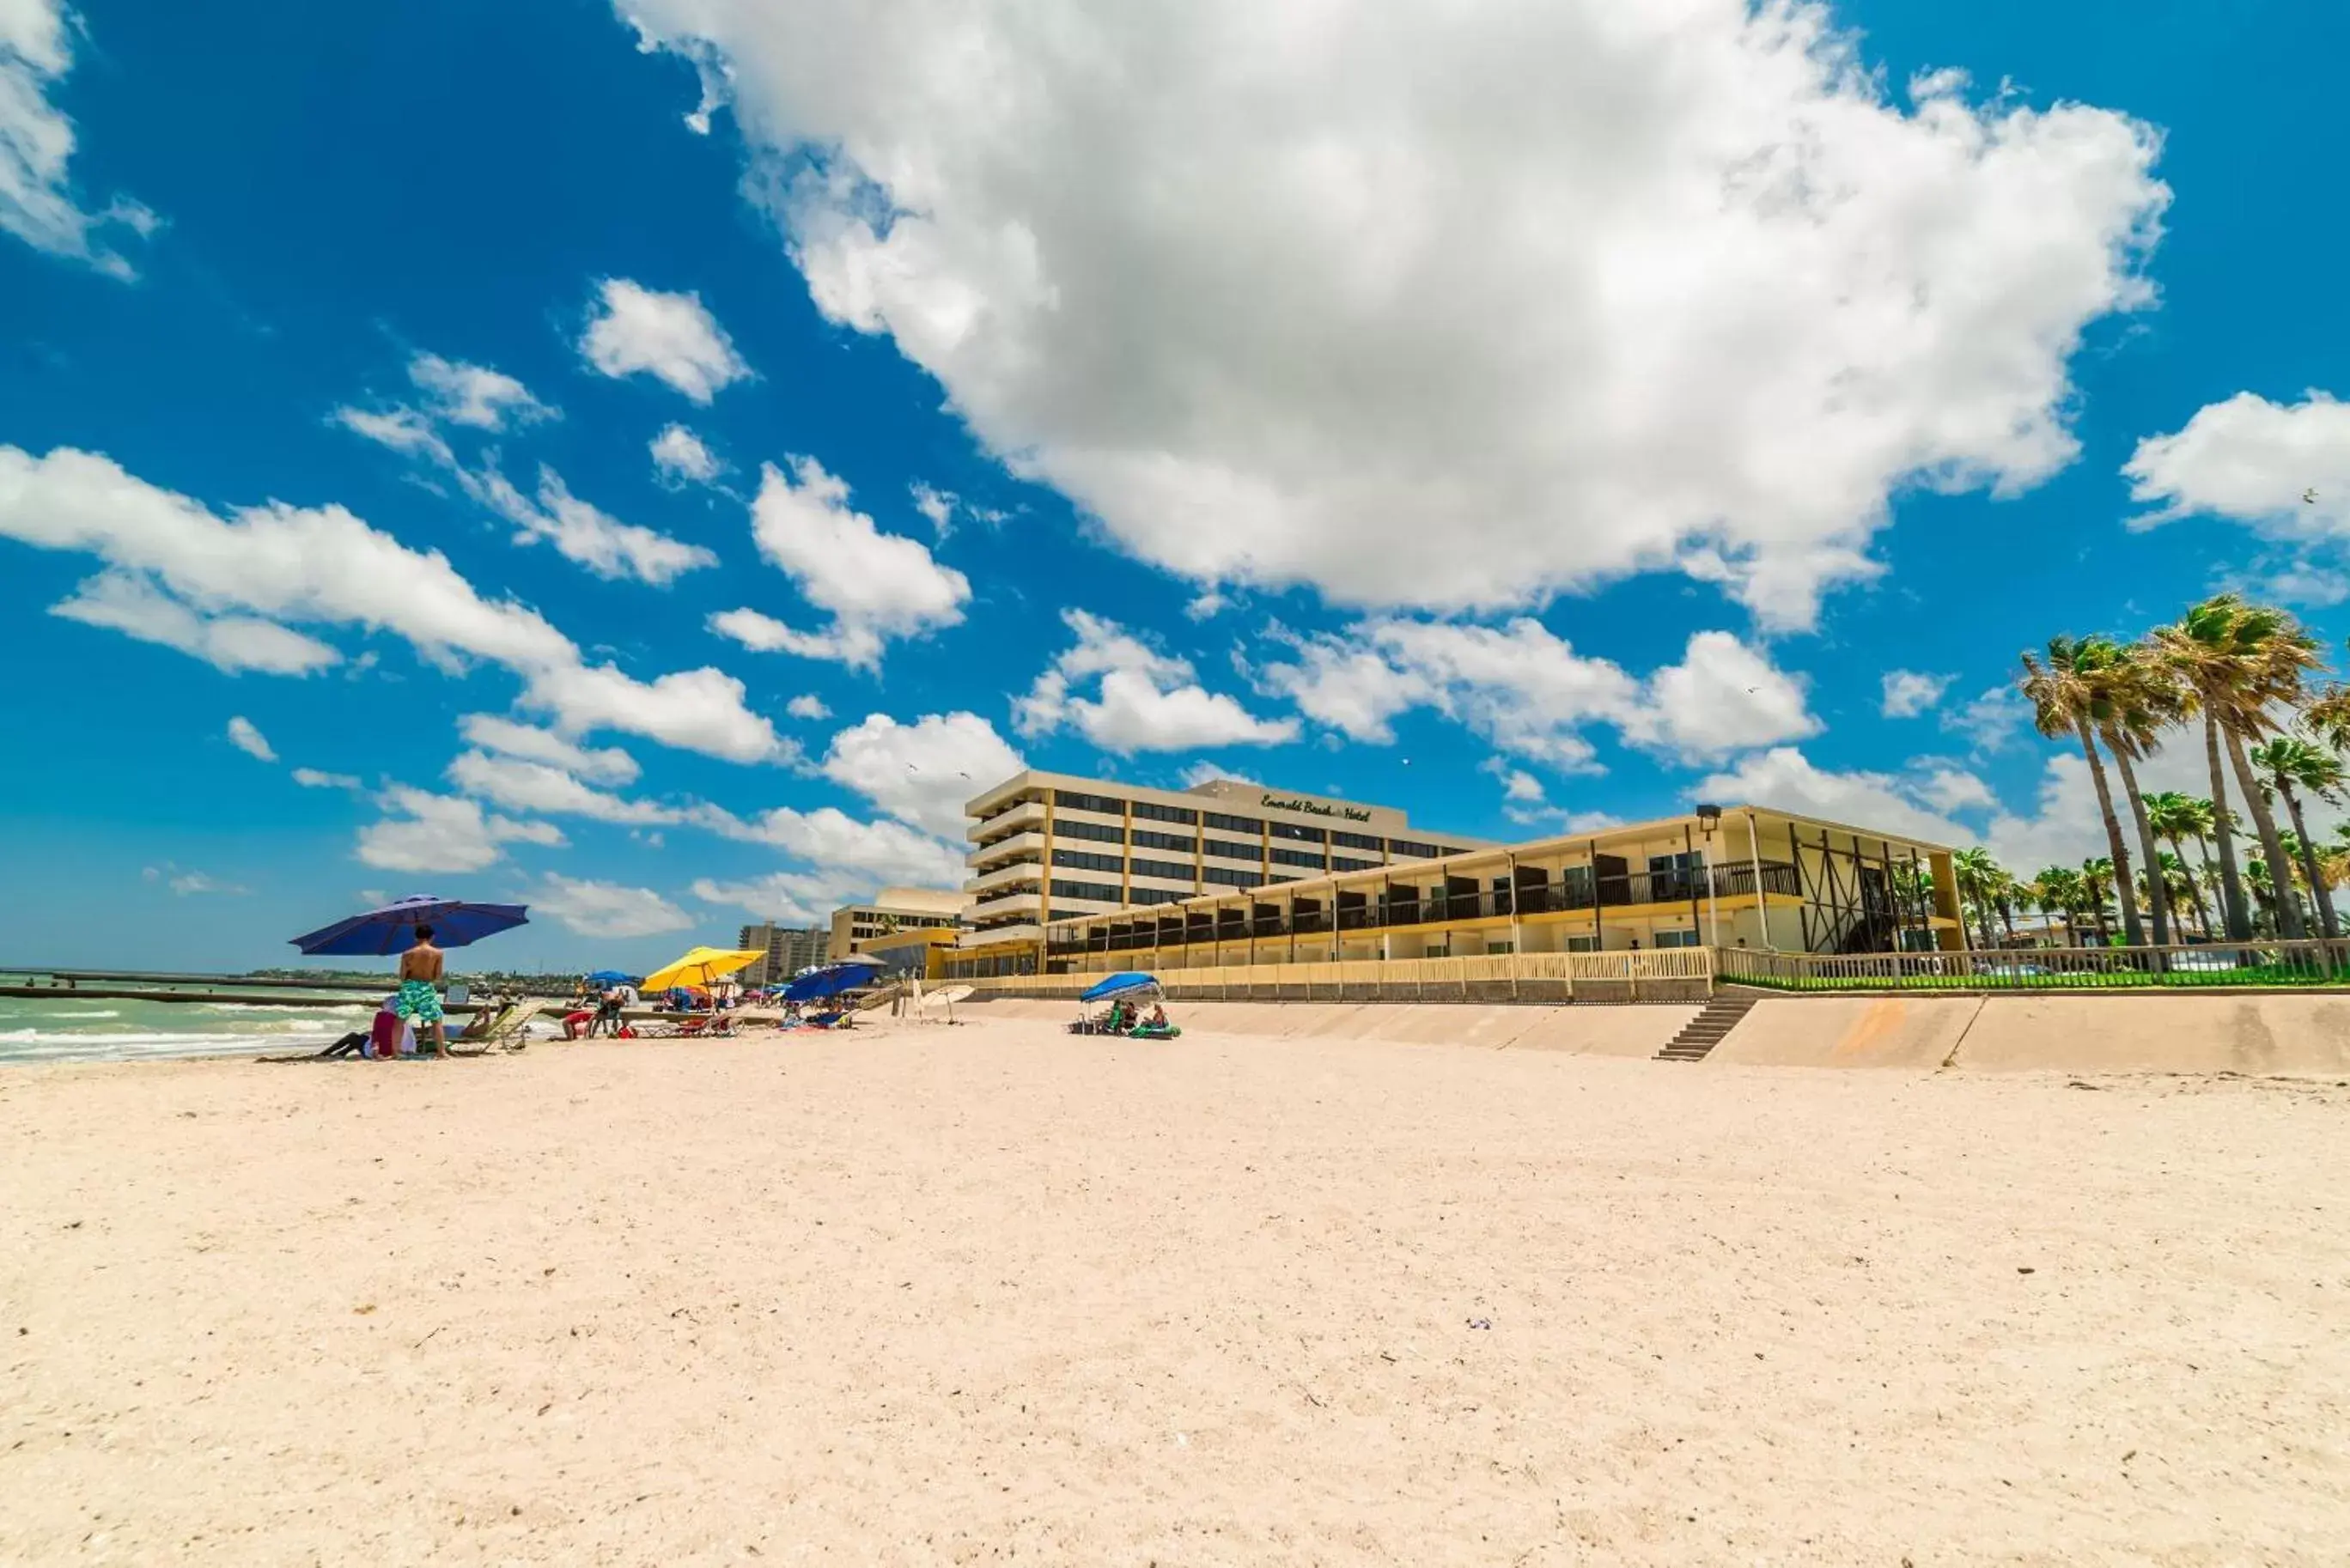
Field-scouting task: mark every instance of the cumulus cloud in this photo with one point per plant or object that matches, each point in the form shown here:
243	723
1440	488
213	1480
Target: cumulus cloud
670	337
680	458
1909	693
474	395
1526	692
852	851
808	705
246	737
2281	468
607	908
1144	701
606	546
428	832
539	787
1990	721
921	773
311	778
875	587
1441	304
224	589
38	203
490	733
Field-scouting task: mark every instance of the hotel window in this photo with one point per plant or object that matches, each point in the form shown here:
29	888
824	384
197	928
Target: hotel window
1451	849
1094	891
1100	802
1311	862
1583	944
1217	847
1168	869
1354	841
1144	838
1303	835
1232	877
1157	895
1217	819
1079	860
1184	814
1340	863
1677	940
1100	833
1410	851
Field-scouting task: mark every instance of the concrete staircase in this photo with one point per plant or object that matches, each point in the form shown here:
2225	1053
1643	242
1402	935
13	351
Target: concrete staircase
1700	1034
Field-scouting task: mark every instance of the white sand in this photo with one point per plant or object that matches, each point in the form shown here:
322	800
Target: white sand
993	1293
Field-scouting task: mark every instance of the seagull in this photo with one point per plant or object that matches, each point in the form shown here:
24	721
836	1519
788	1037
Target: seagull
2309	497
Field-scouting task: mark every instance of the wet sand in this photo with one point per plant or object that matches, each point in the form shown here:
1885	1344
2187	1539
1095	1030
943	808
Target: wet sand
993	1293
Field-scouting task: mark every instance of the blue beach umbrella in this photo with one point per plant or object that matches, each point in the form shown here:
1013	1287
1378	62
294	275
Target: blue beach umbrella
610	977
393	929
829	981
1126	984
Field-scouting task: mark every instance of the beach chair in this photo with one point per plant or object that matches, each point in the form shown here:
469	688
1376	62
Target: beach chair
507	1030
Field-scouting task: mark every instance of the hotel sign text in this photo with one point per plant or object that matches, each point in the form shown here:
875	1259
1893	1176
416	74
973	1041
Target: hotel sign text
1314	807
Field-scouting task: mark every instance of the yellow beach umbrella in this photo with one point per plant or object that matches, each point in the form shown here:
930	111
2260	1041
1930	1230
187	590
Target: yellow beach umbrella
702	966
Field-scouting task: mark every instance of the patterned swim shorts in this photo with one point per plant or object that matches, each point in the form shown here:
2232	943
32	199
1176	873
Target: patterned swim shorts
418	1002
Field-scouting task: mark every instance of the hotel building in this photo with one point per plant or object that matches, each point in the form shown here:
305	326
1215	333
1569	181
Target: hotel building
1735	877
789	949
894	911
1050	846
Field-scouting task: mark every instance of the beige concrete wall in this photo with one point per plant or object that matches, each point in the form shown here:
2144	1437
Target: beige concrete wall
1850	1031
2254	1034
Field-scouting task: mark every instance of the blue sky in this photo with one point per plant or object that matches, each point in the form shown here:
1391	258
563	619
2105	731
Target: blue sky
1520	417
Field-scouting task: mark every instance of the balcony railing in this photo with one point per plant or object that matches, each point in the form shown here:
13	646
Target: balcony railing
1576	890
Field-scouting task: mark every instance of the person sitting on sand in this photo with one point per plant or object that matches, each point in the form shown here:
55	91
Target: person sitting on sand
1157	1019
419	998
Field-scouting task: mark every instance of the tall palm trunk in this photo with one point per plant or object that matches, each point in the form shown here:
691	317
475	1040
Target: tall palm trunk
2007	917
2178	848
2133	933
2231	884
2158	890
2288	906
2317	888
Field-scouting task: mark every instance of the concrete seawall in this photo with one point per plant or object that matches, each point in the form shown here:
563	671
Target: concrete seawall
2255	1035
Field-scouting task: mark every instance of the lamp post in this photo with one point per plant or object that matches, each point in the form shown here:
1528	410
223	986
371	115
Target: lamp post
1708	820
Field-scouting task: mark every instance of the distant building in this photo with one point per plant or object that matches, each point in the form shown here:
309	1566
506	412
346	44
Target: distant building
1047	846
894	912
789	949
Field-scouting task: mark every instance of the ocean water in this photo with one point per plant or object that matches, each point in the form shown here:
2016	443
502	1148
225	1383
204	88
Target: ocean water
68	1028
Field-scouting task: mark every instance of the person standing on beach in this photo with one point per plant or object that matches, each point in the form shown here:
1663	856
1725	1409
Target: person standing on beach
419	997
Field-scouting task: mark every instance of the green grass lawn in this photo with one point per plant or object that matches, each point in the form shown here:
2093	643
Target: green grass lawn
2303	977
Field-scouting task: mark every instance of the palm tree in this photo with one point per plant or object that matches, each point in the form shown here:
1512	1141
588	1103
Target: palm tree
2096	881
2288	760
2237	661
1977	874
2134	700
2058	891
2065	700
2174	816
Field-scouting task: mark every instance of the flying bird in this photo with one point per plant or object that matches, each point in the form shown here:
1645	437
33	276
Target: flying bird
2309	497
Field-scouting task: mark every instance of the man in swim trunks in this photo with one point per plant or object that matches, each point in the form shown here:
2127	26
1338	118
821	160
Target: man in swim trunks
420	996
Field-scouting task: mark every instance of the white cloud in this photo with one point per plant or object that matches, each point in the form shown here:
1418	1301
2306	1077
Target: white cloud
876	587
1525	690
223	591
672	337
608	909
493	733
1144	701
788	897
855	853
248	738
1990	721
921	773
311	778
1785	779
680	457
37	201
606	546
1949	789
474	395
808	705
443	833
1909	693
1445	303
404	431
192	882
937	506
1723	697
134	606
528	786
2283	469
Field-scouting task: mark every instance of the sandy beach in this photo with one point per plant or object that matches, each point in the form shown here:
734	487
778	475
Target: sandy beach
993	1293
